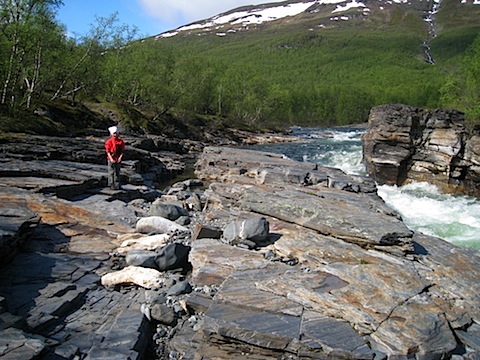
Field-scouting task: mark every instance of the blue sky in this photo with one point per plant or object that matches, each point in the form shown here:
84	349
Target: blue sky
151	17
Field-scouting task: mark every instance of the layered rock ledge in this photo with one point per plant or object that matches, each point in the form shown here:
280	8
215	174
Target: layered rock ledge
269	259
59	226
360	285
405	143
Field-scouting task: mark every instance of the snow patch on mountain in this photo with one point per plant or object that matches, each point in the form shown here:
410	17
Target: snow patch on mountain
253	16
261	14
348	6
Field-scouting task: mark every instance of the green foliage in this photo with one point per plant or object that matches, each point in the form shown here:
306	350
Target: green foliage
27	32
315	78
450	45
462	88
472	82
283	73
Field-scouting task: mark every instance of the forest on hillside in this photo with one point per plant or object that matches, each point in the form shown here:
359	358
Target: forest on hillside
296	78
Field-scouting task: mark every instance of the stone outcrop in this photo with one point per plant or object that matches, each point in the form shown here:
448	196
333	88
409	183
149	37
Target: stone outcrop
58	229
341	277
51	289
407	143
70	166
17	223
285	260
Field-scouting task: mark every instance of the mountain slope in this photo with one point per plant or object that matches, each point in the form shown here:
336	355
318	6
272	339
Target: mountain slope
334	59
333	13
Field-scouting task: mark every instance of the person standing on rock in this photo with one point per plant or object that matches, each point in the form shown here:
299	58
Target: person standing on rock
115	148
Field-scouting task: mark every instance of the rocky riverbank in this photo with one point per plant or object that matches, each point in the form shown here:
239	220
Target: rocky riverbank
257	257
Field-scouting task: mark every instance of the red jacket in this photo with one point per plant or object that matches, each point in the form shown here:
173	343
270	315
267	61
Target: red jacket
115	147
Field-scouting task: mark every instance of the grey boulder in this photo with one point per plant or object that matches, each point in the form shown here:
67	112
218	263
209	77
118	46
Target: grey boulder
251	229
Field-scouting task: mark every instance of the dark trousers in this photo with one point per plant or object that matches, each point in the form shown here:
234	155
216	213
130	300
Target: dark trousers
114	175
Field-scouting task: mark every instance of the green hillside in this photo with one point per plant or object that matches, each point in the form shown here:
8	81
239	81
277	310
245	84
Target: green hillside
316	68
311	70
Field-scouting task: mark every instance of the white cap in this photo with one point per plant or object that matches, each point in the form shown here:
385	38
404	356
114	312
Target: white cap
113	129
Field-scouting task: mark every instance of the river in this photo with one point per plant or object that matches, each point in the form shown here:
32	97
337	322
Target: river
423	207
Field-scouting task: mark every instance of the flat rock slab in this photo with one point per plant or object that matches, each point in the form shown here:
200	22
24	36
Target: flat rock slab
379	288
16	222
60	298
268	330
54	285
76	219
334	337
16	344
55	169
36	183
338	213
257	167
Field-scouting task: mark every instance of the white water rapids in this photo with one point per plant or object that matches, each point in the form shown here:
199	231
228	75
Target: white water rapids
422	206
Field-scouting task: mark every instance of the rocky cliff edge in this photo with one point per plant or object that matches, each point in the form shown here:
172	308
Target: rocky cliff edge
404	143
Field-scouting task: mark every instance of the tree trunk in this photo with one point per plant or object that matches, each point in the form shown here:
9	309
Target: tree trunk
8	78
36	75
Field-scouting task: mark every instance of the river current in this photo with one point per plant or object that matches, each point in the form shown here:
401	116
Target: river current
423	207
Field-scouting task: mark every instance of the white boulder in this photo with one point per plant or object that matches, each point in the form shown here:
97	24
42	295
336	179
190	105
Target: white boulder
144	277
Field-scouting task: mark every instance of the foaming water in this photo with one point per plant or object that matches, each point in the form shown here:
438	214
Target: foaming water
327	147
422	206
348	159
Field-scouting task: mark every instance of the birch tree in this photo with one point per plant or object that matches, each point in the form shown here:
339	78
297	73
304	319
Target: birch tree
472	81
461	89
20	50
41	58
82	59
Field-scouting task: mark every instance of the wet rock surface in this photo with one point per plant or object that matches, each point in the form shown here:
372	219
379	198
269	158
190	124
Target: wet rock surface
268	259
407	143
